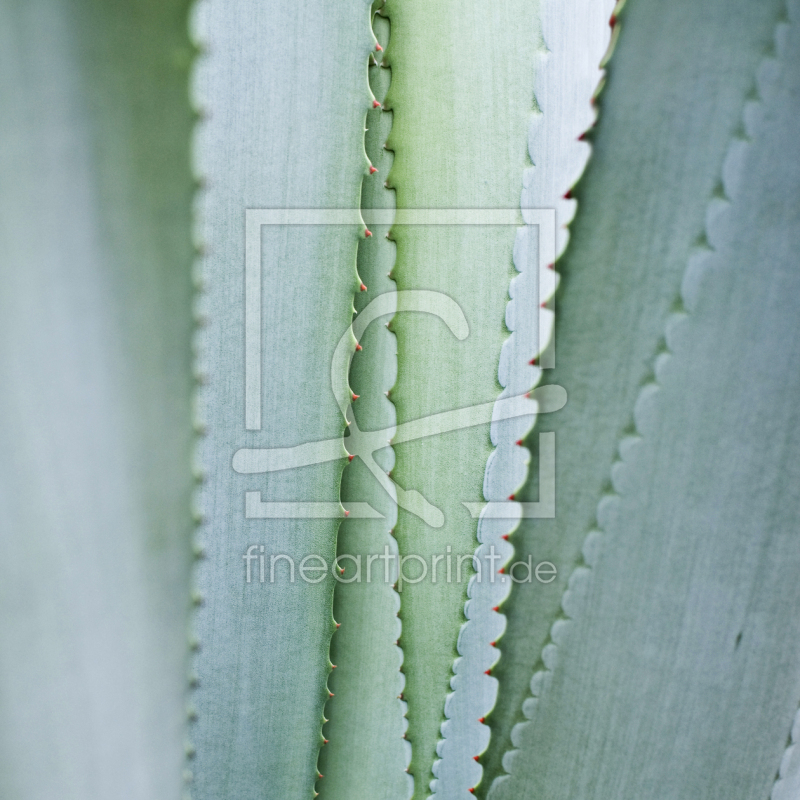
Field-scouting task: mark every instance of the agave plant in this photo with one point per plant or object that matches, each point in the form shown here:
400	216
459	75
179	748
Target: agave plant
433	409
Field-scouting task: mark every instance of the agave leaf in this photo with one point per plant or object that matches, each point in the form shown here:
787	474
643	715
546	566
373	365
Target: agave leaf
456	70
95	385
658	151
366	754
676	672
285	91
576	38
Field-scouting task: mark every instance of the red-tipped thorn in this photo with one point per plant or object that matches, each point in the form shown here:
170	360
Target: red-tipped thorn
378	48
363	288
320	774
493	644
551	266
476	758
333	666
495	608
372	170
542	305
346	513
487	672
519	442
568	194
376	104
359	347
481	720
367	232
324	741
356	396
338	624
505	536
613	21
330	694
472	791
502	571
350	458
511	497
532	362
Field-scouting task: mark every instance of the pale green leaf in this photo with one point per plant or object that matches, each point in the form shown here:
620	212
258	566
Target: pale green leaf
95	384
367	755
461	93
575	38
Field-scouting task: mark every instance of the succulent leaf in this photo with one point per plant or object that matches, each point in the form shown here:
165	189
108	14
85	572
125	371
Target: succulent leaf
690	567
455	69
95	388
284	93
366	754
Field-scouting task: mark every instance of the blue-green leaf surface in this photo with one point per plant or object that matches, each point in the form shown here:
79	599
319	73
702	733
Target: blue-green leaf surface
284	91
675	670
658	151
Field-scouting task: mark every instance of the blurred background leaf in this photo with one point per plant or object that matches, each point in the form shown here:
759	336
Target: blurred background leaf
95	383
